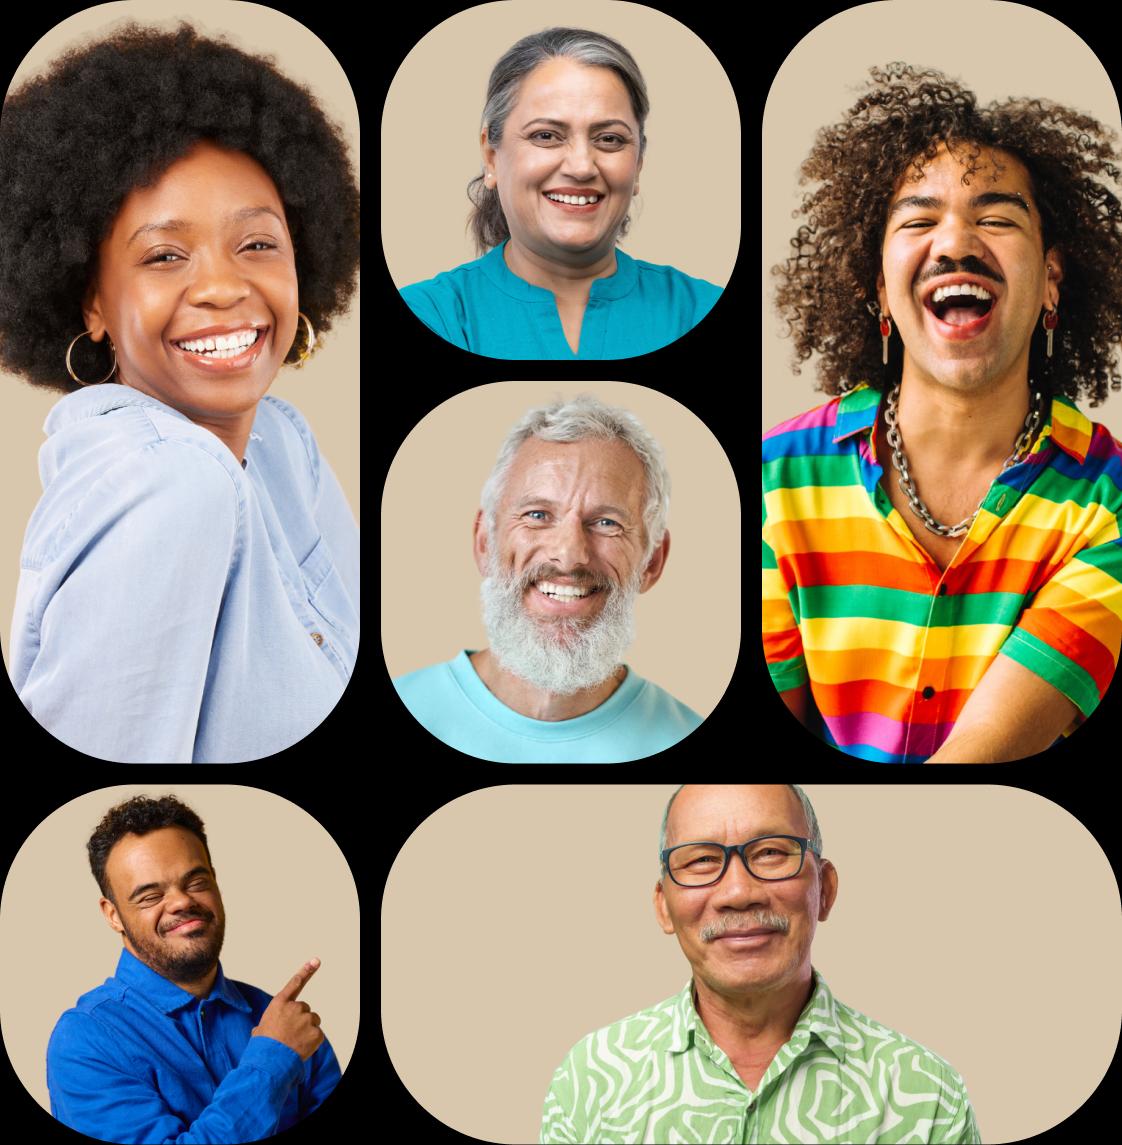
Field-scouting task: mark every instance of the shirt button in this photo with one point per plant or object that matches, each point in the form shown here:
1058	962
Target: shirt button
928	692
317	638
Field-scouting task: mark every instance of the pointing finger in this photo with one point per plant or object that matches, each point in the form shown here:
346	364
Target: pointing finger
291	989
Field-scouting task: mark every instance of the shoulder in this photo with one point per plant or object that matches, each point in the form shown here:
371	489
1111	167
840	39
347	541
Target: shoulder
420	685
877	1043
657	704
648	1031
299	442
447	283
672	281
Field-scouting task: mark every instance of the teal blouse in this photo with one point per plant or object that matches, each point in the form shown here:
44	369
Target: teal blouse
484	307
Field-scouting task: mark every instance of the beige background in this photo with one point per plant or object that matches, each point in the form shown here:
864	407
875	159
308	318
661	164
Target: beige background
687	626
326	390
954	924
268	854
1011	50
432	122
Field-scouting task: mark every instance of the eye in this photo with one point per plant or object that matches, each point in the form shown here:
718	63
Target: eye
619	139
995	223
160	255
537	133
908	226
609	520
533	511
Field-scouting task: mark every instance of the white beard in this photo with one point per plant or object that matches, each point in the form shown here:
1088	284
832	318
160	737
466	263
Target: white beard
564	655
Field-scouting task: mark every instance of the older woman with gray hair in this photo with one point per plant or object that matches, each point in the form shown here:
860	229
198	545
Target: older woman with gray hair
562	142
571	530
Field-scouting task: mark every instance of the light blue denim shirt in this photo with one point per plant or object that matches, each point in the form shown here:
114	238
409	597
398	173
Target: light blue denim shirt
173	605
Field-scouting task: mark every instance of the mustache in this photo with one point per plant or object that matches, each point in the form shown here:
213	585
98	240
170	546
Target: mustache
745	921
579	579
181	919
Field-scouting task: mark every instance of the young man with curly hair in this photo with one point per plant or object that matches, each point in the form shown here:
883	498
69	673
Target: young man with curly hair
169	1048
958	275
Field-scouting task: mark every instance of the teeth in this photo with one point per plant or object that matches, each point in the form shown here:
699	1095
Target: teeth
566	590
574	200
961	288
221	342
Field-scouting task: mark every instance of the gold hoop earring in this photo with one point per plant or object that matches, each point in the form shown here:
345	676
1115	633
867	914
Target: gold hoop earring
70	368
306	353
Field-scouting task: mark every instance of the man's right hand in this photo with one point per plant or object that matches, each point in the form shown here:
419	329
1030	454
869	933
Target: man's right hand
292	1022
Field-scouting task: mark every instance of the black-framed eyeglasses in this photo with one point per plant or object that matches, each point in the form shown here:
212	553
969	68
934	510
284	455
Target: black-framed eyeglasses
770	857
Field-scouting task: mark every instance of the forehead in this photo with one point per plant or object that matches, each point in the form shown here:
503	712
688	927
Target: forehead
727	813
591	467
159	854
202	187
562	84
992	169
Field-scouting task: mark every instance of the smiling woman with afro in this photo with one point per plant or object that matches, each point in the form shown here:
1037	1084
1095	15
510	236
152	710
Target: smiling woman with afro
181	220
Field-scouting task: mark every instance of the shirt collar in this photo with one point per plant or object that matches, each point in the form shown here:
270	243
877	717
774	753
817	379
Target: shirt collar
1066	425
614	286
819	1018
166	995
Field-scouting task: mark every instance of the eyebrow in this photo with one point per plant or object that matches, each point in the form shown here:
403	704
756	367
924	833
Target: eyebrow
763	833
595	509
988	199
592	127
184	225
159	886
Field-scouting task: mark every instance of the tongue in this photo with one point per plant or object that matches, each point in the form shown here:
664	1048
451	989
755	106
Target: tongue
960	315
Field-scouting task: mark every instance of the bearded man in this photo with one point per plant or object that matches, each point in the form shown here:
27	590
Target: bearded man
571	532
959	277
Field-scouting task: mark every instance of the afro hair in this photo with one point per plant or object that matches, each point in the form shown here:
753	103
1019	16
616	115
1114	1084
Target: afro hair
113	116
889	134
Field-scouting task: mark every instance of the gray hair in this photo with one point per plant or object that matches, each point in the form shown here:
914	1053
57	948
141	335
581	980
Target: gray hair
487	221
575	419
811	822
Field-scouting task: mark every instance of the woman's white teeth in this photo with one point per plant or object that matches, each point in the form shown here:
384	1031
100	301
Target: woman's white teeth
223	346
567	590
961	288
575	200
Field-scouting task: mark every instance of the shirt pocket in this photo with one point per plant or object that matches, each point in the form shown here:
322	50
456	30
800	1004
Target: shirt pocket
330	601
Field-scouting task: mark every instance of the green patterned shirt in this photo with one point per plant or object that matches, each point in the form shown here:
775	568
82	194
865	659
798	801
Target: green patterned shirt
658	1076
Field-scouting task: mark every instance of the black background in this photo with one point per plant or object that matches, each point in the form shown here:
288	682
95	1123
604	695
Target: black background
370	772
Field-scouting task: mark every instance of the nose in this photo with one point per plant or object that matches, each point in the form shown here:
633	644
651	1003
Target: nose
568	543
738	890
955	238
217	279
580	161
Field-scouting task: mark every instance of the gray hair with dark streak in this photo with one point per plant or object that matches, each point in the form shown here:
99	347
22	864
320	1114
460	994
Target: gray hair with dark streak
487	222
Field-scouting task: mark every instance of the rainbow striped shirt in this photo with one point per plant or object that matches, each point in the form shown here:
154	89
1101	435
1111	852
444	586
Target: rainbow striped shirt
891	646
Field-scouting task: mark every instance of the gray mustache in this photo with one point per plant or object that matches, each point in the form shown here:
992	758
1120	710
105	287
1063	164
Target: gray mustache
745	922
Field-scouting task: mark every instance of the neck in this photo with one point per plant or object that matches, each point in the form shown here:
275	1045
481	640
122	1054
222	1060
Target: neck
750	1028
958	431
529	701
570	279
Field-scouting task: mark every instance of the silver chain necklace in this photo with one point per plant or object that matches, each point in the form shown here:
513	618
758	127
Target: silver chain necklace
907	485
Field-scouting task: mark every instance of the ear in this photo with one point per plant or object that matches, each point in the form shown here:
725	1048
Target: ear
882	294
479	543
829	889
656	564
662	913
110	912
91	314
486	151
1053	276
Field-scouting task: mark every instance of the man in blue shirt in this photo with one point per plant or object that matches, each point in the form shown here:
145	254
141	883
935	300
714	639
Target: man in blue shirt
169	1049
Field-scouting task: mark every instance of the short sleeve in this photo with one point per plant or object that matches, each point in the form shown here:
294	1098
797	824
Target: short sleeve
783	644
118	606
959	1127
1071	632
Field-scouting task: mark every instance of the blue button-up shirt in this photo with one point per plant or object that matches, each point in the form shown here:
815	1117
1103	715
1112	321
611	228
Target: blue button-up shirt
139	1060
175	606
484	307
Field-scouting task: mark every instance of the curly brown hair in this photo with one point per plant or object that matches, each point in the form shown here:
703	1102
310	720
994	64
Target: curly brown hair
899	125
